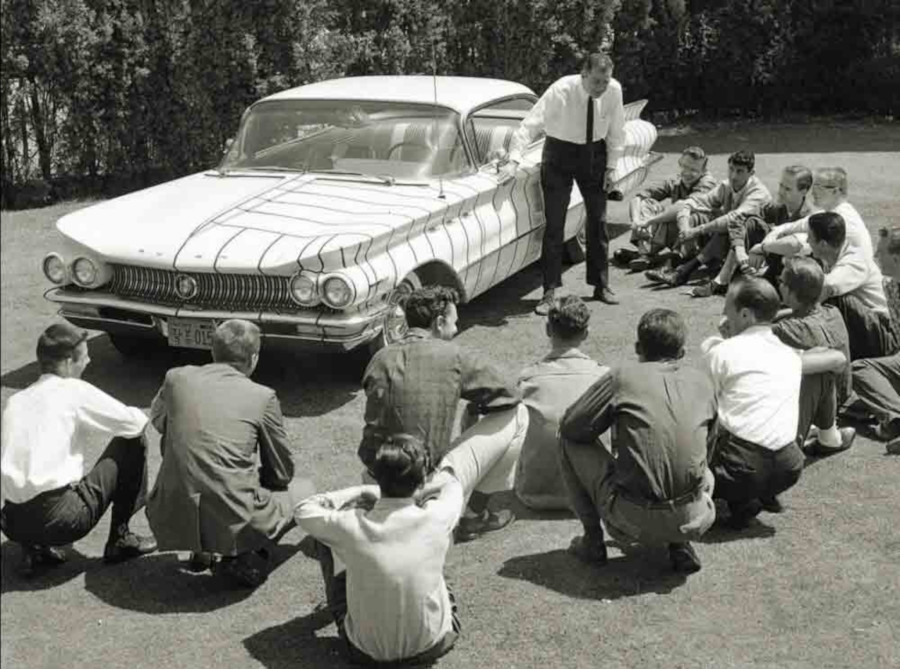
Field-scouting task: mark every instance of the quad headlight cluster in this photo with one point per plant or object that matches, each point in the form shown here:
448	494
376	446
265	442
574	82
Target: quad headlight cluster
332	290
83	271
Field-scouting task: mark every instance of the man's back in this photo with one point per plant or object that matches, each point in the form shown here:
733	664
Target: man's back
822	326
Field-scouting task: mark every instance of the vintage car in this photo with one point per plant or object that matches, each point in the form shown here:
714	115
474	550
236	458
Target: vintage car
333	200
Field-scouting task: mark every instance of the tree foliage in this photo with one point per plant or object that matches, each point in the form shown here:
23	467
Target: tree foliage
115	94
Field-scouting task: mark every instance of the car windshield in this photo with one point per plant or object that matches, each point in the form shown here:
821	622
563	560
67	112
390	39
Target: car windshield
379	139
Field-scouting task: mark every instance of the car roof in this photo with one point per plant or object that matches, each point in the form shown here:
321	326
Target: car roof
459	93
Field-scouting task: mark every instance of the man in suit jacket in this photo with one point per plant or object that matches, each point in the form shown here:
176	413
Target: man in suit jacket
209	497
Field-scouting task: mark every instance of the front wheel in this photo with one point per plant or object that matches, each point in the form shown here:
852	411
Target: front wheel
394	326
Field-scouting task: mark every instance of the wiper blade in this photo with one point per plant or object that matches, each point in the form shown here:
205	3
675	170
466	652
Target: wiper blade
383	178
236	171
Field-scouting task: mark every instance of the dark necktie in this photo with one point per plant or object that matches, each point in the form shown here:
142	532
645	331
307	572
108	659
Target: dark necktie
589	135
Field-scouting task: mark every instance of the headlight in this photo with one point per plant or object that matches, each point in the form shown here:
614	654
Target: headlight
55	268
303	290
85	272
337	292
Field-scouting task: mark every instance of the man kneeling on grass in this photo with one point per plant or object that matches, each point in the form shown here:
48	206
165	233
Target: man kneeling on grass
391	604
657	488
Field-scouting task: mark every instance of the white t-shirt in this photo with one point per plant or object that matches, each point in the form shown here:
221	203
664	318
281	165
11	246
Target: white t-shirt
45	429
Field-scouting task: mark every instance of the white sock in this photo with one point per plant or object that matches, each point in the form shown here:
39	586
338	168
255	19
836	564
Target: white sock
830	436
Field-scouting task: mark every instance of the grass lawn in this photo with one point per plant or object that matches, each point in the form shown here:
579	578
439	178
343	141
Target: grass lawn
817	586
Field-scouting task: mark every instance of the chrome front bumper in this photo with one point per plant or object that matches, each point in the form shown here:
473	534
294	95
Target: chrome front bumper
306	329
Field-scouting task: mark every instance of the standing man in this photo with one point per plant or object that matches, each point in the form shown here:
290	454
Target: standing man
584	121
225	486
50	500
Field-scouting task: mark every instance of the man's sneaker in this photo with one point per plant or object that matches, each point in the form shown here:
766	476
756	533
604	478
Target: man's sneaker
684	558
771	504
543	307
35	556
708	289
815	447
128	546
587	549
490	521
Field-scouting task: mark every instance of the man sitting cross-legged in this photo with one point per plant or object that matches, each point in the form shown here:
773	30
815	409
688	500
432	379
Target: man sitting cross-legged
414	387
653	223
548	387
392	603
735	199
656	489
757	383
814	325
226	488
50	500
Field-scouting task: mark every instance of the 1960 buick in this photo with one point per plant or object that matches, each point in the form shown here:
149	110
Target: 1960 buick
333	200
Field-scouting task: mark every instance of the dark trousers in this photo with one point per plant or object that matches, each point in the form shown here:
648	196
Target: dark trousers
745	471
872	335
818	402
336	595
747	232
877	382
65	515
562	164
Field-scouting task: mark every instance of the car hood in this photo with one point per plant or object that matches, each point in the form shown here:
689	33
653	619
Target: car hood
250	222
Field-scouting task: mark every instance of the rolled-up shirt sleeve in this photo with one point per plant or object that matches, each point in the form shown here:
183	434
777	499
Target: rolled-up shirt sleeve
531	126
591	414
107	415
615	134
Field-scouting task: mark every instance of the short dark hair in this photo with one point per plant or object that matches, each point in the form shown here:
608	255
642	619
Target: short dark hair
661	335
805	278
568	317
696	153
57	344
401	464
893	239
425	304
742	158
802	174
828	227
596	61
235	341
757	295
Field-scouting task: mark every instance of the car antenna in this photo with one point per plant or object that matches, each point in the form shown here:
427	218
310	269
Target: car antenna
434	116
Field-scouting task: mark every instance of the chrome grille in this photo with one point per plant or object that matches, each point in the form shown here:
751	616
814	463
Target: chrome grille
234	292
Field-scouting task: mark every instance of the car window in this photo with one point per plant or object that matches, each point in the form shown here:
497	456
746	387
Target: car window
381	139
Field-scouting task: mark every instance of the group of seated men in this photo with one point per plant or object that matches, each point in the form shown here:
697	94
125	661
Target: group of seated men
638	451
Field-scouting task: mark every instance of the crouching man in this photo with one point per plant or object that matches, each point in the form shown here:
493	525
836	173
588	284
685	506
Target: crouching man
391	604
50	500
217	428
656	489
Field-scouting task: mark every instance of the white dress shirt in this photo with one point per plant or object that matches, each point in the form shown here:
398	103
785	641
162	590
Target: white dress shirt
757	383
562	113
45	429
397	601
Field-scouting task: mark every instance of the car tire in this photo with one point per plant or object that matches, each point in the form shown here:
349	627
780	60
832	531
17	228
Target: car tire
394	324
574	249
130	346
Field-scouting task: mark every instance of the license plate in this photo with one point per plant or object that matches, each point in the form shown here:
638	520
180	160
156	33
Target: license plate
186	333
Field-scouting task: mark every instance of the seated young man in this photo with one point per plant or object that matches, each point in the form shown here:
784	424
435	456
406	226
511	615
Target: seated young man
392	603
877	380
814	325
226	488
49	499
735	199
653	223
548	387
414	387
748	233
757	383
854	284
654	486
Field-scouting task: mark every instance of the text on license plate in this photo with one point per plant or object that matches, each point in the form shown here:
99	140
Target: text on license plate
188	333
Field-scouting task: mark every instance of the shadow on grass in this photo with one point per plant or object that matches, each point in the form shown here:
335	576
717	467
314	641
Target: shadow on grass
45	578
307	385
721	534
297	644
635	574
160	584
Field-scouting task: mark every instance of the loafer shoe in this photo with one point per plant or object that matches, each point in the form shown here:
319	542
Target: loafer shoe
684	558
624	256
247	570
489	521
127	547
588	550
640	264
708	289
37	556
605	295
815	447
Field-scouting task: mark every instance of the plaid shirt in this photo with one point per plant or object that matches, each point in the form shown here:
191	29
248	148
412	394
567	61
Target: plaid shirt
414	387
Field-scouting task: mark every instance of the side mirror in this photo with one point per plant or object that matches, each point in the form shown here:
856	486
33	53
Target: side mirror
228	143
